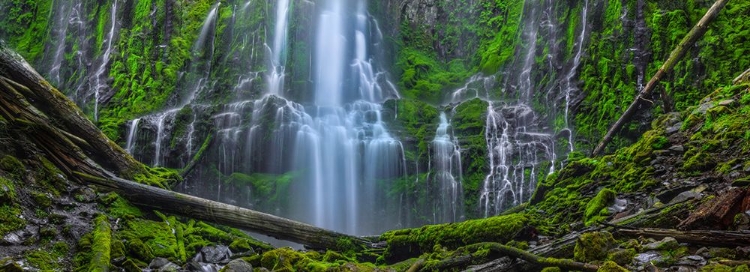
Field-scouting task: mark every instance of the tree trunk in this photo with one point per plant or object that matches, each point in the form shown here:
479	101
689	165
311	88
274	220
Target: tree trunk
676	55
212	211
63	112
716	238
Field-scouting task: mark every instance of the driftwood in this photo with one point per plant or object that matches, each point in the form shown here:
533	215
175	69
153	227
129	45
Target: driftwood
717	238
79	155
687	42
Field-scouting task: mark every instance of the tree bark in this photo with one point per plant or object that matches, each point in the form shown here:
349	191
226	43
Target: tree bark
716	238
695	33
212	211
63	113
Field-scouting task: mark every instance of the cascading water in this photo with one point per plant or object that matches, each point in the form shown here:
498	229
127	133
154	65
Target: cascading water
98	84
447	176
569	80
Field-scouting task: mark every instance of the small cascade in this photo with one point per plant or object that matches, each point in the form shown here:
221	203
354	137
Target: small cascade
132	134
200	67
277	60
162	126
569	83
447	176
478	86
515	157
99	79
61	30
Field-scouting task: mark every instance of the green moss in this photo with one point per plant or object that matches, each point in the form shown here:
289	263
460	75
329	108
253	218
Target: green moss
622	256
43	260
596	209
159	177
406	243
610	266
13	166
118	207
7	191
10	219
593	246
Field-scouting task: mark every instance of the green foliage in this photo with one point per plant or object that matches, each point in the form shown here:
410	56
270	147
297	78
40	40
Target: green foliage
596	209
608	76
423	77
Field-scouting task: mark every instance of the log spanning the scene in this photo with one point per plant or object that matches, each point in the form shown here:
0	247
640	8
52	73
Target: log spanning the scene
687	42
79	149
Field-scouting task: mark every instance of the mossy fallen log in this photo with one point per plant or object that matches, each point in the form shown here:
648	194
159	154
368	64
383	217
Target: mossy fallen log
63	113
715	238
212	211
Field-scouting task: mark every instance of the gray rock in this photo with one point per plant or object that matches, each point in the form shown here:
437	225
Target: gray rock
677	148
692	260
665	244
12	239
214	254
238	265
647	257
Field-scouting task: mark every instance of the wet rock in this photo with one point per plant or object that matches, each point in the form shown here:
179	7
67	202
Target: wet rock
677	148
161	264
692	261
685	196
642	259
238	265
12	239
685	269
668	243
202	267
673	129
620	204
84	194
214	254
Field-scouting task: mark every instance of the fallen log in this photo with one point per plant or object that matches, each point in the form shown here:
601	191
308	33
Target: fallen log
63	112
497	248
695	33
717	238
225	214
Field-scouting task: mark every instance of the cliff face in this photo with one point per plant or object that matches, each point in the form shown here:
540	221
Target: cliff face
526	82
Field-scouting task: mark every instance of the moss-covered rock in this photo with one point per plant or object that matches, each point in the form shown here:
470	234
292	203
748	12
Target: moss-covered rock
610	266
7	191
596	209
406	243
593	246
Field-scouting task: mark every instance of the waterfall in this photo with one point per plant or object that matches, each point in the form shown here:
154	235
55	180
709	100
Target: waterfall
446	169
132	134
569	78
100	84
276	69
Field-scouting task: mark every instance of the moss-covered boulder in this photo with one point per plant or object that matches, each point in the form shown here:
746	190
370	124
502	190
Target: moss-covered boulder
407	243
593	246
